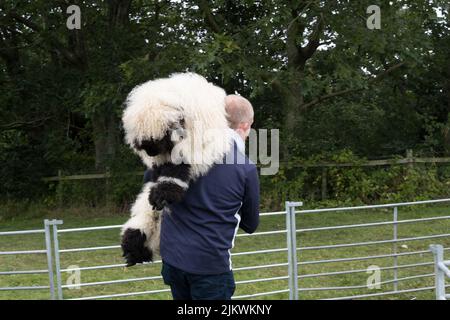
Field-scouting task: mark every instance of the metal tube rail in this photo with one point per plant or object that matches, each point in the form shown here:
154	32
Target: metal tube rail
122	265
395	246
258	252
48	247
373	224
122	295
90	228
365	258
377	206
99	283
118	247
13	233
364	286
275	213
110	227
382	293
440	270
262	280
110	266
260	294
263	233
291	242
159	277
59	290
444	269
24	288
90	249
313	275
118	226
285	264
345	245
22	272
22	252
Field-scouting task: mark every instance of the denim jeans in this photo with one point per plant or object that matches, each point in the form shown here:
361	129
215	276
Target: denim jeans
188	286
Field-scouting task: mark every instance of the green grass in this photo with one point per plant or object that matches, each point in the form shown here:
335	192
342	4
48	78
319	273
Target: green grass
111	237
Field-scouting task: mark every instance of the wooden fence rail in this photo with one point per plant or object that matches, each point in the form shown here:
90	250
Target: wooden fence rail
408	160
61	177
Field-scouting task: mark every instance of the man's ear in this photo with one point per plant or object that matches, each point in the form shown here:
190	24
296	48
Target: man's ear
244	126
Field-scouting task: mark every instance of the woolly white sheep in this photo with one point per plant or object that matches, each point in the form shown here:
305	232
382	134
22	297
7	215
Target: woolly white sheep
178	127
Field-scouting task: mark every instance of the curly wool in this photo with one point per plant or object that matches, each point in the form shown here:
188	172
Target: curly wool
154	106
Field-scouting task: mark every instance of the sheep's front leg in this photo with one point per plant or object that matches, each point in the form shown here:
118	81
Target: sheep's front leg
140	234
171	184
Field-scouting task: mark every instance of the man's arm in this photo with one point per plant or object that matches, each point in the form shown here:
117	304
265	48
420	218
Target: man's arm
250	204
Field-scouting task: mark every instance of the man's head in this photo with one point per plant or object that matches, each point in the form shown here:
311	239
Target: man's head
239	114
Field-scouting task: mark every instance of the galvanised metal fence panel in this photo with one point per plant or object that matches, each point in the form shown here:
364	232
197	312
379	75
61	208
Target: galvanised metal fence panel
47	251
59	270
294	262
441	271
394	240
59	253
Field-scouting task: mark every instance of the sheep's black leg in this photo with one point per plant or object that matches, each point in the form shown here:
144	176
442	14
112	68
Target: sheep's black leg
134	249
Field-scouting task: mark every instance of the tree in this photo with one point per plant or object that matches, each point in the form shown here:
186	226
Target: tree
312	68
284	43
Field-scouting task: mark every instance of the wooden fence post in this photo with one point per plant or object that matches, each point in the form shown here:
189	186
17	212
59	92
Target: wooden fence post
59	188
410	158
107	186
324	183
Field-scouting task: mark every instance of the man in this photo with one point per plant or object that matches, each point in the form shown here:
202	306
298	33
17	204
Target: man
240	117
198	232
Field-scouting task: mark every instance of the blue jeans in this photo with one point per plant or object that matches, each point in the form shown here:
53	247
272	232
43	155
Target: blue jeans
188	286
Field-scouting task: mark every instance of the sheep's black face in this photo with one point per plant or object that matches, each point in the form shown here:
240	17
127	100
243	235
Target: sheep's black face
155	147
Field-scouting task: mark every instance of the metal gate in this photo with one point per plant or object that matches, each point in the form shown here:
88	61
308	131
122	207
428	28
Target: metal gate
441	271
47	251
394	222
296	265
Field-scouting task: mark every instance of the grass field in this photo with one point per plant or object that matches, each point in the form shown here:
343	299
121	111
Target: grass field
111	237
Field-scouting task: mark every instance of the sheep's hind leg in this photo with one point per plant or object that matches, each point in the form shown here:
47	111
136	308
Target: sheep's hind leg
138	233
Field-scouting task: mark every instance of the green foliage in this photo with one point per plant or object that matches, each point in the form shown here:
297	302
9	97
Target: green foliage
118	190
62	91
126	179
354	184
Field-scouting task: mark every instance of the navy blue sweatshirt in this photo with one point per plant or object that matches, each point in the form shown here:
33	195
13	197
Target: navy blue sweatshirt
198	232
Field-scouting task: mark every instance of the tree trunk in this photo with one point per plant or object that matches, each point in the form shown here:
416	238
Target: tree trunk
293	97
293	101
118	12
105	122
10	53
446	132
105	138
